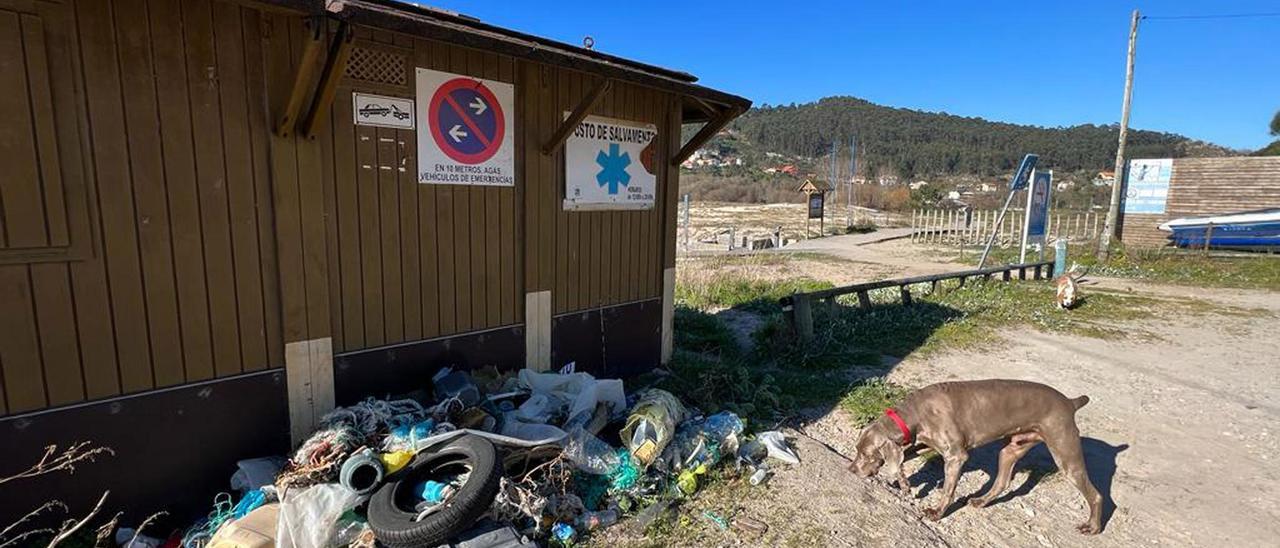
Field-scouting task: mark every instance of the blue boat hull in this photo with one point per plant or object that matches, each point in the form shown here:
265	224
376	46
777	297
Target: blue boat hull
1259	235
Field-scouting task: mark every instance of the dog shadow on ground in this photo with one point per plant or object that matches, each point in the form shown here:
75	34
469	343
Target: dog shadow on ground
1099	457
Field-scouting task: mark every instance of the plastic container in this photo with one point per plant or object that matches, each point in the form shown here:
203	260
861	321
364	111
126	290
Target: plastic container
590	521
563	532
589	454
456	384
760	476
434	492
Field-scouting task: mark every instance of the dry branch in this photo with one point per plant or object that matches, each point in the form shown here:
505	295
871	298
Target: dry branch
53	461
70	526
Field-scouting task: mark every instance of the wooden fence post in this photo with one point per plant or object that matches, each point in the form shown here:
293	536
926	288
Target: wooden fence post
864	299
906	295
802	308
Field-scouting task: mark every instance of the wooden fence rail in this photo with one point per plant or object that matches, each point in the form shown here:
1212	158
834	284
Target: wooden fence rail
951	227
800	305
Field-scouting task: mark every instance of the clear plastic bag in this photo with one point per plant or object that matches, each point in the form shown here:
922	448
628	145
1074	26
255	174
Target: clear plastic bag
309	518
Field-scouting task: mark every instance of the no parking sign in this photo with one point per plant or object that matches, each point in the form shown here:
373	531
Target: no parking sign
465	130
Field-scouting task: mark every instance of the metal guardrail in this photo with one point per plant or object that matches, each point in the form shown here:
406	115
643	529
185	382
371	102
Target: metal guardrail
800	305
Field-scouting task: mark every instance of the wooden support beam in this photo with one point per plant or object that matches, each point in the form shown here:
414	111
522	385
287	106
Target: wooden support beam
578	114
334	67
705	134
704	106
301	79
906	295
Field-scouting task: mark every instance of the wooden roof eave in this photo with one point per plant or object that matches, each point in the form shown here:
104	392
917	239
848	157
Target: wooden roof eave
418	21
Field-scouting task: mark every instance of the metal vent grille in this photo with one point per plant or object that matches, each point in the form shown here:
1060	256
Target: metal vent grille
377	66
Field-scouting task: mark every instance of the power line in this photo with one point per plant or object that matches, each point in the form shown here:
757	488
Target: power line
1221	16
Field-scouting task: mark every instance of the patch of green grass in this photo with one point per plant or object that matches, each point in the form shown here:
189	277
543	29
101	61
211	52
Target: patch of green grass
699	331
1190	268
1163	265
721	383
727	291
969	317
775	345
868	400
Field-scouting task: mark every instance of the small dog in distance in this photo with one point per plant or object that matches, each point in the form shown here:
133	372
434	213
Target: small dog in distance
1068	288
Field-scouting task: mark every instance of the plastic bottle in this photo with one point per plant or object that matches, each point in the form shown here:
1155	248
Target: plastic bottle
589	454
722	425
760	476
563	532
590	521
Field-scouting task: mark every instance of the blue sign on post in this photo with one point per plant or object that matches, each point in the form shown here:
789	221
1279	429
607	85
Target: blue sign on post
1035	228
1024	172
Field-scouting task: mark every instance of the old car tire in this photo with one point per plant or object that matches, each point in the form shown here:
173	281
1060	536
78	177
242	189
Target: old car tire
391	510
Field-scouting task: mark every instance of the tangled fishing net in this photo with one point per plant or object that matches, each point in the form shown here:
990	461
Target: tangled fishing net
344	431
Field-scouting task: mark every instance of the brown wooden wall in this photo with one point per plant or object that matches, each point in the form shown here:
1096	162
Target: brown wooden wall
181	284
192	243
410	261
1208	186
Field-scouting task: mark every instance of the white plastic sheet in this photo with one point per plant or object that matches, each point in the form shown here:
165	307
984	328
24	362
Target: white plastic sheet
309	517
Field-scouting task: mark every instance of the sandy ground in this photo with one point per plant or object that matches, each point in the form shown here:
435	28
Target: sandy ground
1180	436
710	223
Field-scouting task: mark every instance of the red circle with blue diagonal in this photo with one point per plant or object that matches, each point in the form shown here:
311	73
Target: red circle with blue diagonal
466	120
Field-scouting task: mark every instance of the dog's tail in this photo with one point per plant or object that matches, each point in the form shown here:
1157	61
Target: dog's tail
1079	402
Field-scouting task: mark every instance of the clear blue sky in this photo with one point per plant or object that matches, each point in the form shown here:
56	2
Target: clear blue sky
1042	63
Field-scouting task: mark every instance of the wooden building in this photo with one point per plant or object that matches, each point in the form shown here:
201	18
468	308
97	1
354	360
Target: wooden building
1200	187
201	250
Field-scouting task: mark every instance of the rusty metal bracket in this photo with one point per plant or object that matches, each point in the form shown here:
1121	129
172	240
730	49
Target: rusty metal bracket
576	116
298	92
334	67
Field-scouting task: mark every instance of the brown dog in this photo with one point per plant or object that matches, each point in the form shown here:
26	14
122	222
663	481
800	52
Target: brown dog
953	417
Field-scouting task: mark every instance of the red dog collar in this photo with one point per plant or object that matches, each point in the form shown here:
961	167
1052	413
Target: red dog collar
902	425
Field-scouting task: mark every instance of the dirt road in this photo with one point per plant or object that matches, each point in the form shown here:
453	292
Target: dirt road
1181	435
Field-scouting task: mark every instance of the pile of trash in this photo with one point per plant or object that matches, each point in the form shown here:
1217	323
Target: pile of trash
485	460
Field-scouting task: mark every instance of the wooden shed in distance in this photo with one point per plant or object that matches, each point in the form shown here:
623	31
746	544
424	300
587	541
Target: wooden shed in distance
1160	190
221	218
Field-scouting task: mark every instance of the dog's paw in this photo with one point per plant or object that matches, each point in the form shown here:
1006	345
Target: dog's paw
979	502
1088	529
932	514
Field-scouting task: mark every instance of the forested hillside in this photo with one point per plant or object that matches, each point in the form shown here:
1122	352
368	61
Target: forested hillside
911	143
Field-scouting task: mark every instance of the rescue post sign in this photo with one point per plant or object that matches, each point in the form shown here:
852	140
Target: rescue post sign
465	130
610	164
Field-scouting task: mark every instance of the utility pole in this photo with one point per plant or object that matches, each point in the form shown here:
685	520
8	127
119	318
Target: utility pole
1117	187
850	199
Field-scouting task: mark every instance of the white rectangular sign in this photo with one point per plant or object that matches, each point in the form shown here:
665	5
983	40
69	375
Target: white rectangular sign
465	130
611	164
382	111
1147	186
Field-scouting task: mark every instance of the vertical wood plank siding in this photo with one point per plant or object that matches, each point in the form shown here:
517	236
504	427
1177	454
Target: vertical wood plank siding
180	285
214	242
452	259
1208	186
